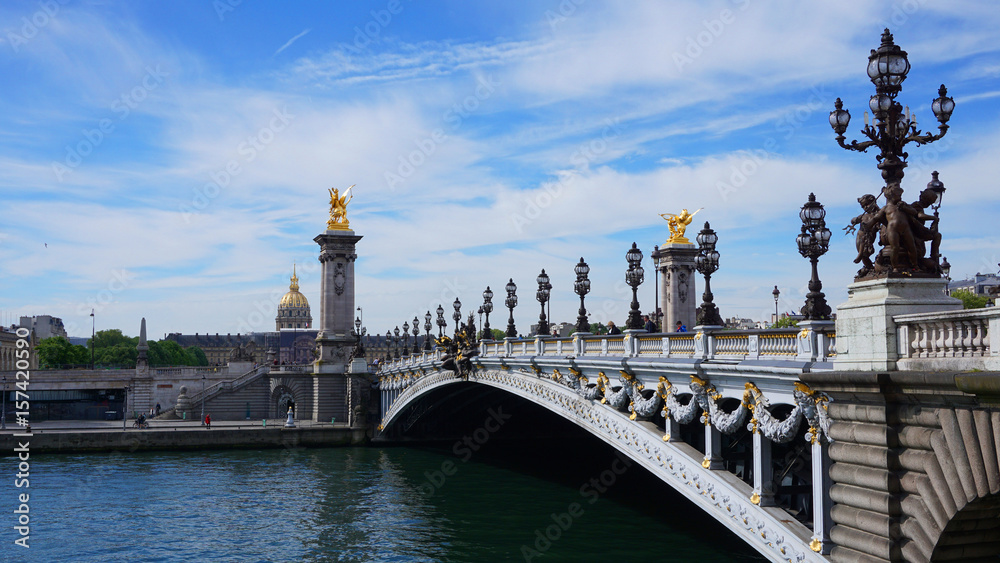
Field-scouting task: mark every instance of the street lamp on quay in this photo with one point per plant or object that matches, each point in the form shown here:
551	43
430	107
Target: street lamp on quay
634	277
406	338
487	308
480	311
416	333
707	262
813	242
511	302
202	399
427	329
440	321
582	288
457	315
93	335
776	293
125	404
542	295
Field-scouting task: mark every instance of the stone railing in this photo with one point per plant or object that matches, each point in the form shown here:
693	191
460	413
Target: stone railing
811	345
956	340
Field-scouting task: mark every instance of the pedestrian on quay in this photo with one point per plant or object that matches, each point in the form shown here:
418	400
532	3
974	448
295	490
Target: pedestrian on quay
208	421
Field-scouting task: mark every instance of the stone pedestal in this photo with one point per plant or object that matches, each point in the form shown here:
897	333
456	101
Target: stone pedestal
866	333
675	262
336	318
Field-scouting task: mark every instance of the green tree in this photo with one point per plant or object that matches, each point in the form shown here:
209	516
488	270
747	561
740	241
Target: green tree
598	328
970	300
785	322
58	352
120	355
199	356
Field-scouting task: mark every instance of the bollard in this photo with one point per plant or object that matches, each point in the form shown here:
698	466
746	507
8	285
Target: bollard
264	422
333	419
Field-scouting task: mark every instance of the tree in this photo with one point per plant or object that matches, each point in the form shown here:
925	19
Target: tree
970	300
598	328
57	352
785	322
200	359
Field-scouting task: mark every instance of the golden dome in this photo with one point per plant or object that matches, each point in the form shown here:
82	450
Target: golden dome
293	298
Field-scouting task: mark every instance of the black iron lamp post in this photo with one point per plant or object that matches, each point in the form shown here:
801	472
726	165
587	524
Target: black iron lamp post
440	321
582	288
813	242
406	338
395	343
634	277
388	344
946	273
487	308
542	295
511	302
892	127
358	333
457	315
427	329
3	412
480	311
707	262
776	293
416	333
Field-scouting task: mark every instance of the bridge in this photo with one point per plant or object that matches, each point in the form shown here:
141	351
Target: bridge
760	430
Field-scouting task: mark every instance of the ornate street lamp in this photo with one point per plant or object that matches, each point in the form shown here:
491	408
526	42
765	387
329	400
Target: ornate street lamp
813	242
582	287
457	315
416	333
946	272
395	344
440	321
358	332
776	294
427	329
634	277
3	411
406	338
202	401
487	308
388	343
707	262
511	302
893	127
542	295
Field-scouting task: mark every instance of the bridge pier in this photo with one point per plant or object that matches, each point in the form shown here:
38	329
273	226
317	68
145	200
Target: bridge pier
763	470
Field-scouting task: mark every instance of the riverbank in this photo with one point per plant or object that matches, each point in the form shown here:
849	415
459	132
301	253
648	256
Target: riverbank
101	436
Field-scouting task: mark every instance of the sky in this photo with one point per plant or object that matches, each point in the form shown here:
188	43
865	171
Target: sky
171	160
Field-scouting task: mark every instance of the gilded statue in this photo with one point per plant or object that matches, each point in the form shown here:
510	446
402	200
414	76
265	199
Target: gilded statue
678	224
338	209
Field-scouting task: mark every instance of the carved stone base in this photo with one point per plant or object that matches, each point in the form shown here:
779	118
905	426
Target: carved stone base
866	333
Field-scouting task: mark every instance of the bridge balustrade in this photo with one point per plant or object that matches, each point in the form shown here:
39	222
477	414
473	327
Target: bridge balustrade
948	340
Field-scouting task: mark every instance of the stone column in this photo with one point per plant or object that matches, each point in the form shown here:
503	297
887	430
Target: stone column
675	262
336	319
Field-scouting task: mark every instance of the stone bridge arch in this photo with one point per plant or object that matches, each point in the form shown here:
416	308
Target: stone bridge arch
915	466
769	529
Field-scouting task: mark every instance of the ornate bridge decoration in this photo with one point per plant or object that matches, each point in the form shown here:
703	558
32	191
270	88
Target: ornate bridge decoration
620	397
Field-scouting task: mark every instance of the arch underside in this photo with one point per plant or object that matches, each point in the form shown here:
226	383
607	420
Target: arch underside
769	530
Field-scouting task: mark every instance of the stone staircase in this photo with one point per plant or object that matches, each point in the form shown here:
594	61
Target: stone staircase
231	400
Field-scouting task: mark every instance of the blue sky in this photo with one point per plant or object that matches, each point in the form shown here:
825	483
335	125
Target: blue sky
172	160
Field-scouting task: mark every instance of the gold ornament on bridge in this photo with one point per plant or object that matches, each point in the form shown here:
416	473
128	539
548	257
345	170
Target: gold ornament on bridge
338	210
677	223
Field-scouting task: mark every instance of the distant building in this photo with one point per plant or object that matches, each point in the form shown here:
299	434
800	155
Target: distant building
8	350
293	309
980	284
44	326
741	324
